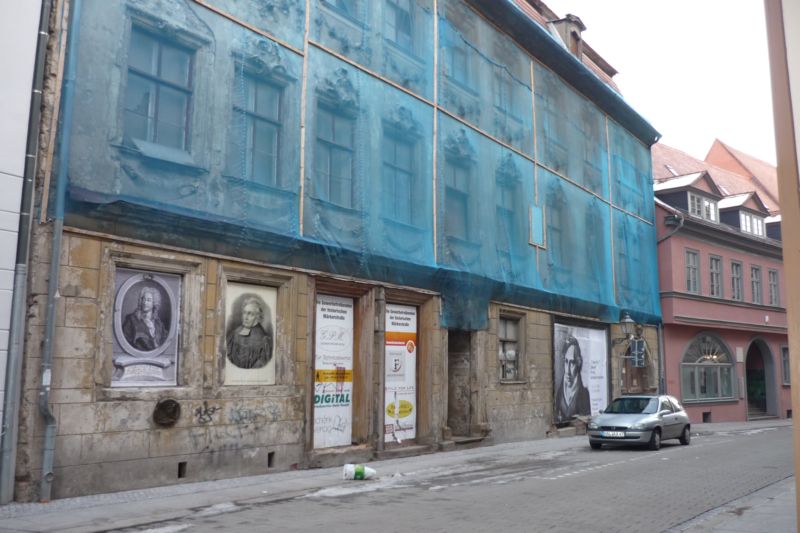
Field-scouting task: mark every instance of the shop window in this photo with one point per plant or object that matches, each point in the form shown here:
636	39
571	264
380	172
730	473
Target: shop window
254	140
159	92
334	158
707	371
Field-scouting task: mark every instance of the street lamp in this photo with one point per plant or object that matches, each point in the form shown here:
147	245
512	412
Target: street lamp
628	326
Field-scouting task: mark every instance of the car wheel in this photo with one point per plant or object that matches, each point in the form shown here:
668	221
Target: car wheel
655	440
686	436
595	445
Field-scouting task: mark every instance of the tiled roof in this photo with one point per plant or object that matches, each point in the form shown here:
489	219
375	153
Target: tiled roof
730	183
763	174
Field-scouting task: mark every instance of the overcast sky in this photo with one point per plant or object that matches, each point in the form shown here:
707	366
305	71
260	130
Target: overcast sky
697	70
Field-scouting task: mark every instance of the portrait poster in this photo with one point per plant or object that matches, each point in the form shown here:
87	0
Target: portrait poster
146	325
579	370
250	334
400	389
333	372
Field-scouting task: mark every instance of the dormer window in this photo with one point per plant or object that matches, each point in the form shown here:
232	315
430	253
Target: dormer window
752	224
702	207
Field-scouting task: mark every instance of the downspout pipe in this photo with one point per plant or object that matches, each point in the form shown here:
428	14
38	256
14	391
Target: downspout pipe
68	97
16	337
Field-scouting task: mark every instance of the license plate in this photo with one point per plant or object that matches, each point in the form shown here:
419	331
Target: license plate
613	434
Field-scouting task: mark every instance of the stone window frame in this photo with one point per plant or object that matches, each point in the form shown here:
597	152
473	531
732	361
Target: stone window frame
285	327
192	271
507	313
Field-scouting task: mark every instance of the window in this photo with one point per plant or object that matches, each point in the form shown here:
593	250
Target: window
346	6
752	224
785	363
505	214
692	282
736	280
334	158
715	269
255	133
707	371
398	23
503	92
398	178
458	58
755	284
159	91
457	178
508	348
702	207
774	290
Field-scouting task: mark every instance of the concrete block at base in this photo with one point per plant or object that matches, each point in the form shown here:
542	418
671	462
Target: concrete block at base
567	432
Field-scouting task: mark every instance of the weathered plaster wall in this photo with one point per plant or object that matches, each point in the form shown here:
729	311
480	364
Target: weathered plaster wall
521	409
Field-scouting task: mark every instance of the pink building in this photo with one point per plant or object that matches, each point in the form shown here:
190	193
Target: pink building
721	279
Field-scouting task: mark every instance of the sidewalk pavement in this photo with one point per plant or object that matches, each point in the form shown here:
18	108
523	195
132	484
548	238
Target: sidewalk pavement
771	509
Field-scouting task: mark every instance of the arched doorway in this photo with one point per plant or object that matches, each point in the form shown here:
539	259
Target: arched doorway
760	381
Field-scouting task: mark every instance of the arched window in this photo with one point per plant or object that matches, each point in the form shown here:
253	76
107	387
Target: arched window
707	370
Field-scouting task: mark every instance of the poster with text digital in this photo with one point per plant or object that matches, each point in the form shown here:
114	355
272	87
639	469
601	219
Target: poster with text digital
333	372
585	349
400	405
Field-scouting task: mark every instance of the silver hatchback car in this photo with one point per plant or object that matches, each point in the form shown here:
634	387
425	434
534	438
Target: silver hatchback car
640	420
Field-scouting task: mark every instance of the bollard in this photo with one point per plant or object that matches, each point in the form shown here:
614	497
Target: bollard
352	471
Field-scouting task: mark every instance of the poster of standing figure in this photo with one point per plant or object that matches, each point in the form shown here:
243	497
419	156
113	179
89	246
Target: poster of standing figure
145	347
579	371
250	334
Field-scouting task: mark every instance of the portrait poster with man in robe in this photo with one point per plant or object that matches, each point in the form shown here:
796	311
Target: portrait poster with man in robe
579	371
146	307
250	334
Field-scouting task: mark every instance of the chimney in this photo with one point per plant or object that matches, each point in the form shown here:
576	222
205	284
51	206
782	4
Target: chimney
570	29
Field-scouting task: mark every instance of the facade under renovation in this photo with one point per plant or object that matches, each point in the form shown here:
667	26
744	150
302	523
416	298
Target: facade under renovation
286	233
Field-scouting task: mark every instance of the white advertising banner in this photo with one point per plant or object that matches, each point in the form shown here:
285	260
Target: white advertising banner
580	371
333	372
400	405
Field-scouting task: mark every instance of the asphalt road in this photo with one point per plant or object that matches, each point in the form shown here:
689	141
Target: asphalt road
557	485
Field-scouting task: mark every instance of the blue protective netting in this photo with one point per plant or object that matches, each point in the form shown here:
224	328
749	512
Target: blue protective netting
187	130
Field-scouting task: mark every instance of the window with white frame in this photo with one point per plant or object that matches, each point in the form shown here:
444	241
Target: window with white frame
774	288
692	279
508	348
398	177
707	371
715	270
254	138
702	207
398	23
457	189
159	90
736	280
752	224
755	284
334	157
787	376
